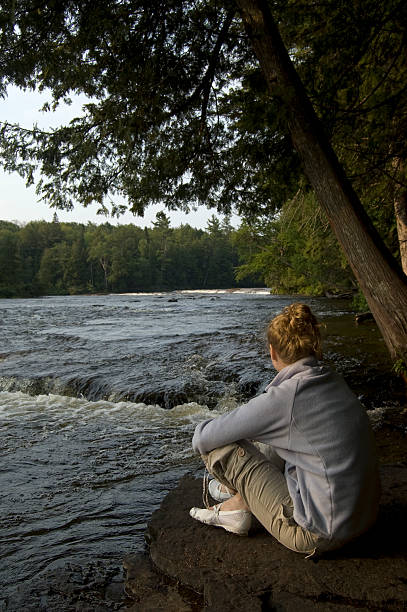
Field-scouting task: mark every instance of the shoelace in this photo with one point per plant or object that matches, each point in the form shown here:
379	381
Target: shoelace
205	489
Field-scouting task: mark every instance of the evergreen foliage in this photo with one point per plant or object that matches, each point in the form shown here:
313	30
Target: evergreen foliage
351	57
295	253
70	258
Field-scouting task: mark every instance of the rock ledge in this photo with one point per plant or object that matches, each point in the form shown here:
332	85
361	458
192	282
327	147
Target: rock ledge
194	567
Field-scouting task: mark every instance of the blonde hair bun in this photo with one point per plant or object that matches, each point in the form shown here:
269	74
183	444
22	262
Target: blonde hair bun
295	333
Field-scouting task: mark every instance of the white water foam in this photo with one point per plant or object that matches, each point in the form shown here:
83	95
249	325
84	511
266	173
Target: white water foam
16	404
240	291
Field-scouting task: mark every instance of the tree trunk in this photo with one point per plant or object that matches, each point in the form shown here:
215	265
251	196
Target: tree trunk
105	266
400	211
379	276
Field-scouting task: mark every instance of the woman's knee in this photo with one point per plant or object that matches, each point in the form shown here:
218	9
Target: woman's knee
219	457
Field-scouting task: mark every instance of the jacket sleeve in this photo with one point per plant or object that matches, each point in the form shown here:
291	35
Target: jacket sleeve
264	418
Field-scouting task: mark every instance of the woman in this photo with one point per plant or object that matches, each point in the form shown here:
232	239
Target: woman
316	486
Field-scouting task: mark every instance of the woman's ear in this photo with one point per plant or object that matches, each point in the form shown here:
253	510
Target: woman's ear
275	358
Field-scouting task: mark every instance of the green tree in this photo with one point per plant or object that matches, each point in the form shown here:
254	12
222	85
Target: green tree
76	275
161	235
148	261
34	238
219	260
295	253
187	256
100	249
50	275
10	262
8	225
125	274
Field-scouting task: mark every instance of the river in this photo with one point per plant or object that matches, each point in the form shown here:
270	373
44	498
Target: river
99	396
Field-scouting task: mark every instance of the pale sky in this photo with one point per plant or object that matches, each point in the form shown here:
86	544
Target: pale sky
19	203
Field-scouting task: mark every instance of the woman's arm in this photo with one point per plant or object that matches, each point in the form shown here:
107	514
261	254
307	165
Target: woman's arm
262	418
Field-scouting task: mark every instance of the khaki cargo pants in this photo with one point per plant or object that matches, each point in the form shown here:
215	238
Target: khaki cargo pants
256	472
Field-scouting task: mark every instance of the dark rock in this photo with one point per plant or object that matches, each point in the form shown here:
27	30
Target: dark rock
347	295
257	573
150	591
363	316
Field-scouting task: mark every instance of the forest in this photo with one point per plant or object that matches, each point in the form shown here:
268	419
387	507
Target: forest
70	258
55	258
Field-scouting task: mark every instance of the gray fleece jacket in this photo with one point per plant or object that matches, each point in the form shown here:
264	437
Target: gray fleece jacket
317	425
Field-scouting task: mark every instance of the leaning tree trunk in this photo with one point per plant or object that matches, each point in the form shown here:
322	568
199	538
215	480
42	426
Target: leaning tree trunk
377	272
400	211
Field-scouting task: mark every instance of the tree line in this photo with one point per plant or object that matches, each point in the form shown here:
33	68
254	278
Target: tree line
70	258
55	258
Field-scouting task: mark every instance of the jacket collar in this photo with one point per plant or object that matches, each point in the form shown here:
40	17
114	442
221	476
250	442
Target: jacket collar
302	365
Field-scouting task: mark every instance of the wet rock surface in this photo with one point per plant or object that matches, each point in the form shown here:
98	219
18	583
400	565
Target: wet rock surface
195	567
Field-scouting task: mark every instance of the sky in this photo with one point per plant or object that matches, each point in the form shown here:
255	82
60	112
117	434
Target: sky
21	204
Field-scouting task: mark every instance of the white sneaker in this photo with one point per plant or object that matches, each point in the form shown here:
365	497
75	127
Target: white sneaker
235	521
216	492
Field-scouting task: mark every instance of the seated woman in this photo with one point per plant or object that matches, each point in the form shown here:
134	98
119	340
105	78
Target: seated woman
316	484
